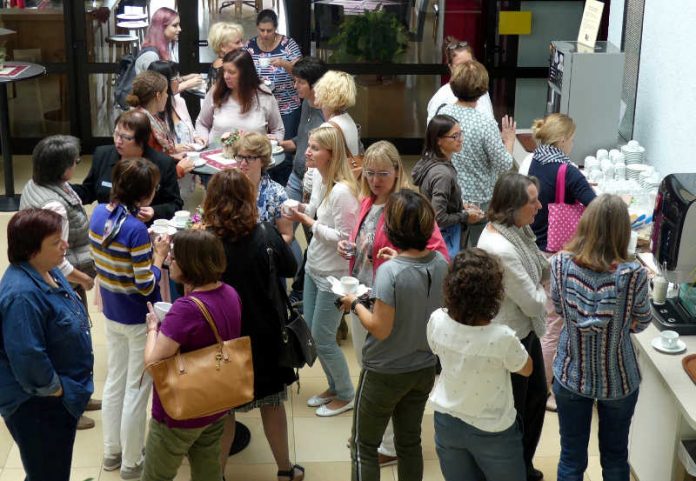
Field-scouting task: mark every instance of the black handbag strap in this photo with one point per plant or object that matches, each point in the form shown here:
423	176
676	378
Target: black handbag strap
273	281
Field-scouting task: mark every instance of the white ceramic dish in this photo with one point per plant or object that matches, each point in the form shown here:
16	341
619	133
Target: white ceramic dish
337	289
200	162
176	225
679	348
277	150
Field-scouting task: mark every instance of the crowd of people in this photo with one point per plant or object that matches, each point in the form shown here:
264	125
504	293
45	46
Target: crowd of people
467	308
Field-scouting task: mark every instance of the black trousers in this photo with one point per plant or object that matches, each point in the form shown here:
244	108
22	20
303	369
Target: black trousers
530	398
45	433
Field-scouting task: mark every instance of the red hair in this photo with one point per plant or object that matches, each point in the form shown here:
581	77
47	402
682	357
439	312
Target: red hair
161	19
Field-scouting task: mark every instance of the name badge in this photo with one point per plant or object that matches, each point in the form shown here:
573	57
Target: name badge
106	184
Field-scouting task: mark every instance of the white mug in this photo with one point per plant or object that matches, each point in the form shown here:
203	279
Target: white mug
669	339
287	205
349	284
182	216
158	230
264	61
274	144
659	291
161	222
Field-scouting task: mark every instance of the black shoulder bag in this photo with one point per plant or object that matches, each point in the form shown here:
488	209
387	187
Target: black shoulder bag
298	346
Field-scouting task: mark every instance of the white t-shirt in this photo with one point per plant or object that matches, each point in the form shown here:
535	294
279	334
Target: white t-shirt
350	131
445	96
475	385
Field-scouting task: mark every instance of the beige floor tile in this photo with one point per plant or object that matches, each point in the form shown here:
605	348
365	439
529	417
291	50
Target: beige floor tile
12	474
87	452
83	474
324	471
258	450
6	443
13	460
322	439
251	472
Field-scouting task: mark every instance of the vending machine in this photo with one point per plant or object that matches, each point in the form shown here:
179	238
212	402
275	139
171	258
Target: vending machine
586	84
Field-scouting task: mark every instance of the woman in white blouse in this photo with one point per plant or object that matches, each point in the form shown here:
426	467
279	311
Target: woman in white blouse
238	101
334	200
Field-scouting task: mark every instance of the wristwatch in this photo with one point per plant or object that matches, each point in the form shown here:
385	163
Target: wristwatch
353	305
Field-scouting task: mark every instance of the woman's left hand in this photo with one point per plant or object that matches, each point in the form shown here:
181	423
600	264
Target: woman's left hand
346	301
151	318
279	62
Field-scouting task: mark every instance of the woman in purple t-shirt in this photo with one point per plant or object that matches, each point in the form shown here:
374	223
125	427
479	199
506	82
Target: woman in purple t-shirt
198	261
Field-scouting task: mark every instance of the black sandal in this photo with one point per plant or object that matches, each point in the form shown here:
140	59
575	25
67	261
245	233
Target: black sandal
291	473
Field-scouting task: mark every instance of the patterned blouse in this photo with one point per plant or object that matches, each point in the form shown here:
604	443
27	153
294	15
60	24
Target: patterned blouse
280	80
271	196
595	356
483	156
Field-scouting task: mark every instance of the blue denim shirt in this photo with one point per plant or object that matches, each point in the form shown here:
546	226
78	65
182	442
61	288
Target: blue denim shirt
45	341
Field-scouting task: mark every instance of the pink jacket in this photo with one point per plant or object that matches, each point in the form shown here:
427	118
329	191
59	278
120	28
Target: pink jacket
436	242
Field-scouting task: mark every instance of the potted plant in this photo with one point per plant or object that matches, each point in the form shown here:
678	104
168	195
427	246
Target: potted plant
373	37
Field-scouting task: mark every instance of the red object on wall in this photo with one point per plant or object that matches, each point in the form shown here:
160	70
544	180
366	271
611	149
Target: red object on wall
17	3
464	21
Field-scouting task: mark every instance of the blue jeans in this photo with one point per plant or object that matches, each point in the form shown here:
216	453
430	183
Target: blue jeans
294	187
468	453
323	319
45	433
574	418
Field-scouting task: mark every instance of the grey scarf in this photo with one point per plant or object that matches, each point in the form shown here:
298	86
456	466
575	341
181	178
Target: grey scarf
536	265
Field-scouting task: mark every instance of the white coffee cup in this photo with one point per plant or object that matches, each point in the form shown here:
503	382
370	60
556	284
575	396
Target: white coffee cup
659	291
182	216
158	230
633	144
161	309
161	222
602	154
274	144
287	205
669	339
349	284
194	156
264	61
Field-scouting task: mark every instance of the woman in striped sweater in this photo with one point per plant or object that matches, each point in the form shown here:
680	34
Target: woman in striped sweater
602	298
129	270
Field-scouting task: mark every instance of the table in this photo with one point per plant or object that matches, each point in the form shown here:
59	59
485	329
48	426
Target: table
210	170
10	201
357	7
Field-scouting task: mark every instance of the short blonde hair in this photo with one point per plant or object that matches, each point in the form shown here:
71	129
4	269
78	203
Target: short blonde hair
221	33
335	91
256	144
331	139
602	235
380	155
552	129
469	81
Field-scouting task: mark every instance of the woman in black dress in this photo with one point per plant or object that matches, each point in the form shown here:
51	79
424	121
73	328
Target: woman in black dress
230	212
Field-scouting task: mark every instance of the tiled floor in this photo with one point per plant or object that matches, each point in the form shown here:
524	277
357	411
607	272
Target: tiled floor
319	444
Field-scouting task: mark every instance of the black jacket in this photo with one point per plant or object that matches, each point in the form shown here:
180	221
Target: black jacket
97	184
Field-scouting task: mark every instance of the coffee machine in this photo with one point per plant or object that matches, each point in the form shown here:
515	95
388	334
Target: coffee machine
673	245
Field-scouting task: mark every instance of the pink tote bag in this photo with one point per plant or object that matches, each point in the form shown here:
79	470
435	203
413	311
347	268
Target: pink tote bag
563	218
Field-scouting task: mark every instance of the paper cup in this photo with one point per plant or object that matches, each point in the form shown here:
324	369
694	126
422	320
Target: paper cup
349	284
161	309
287	205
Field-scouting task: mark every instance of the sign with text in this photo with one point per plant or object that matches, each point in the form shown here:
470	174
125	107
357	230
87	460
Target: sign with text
589	27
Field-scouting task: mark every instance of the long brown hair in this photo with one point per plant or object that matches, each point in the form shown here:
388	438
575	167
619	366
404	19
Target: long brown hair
249	81
230	205
603	234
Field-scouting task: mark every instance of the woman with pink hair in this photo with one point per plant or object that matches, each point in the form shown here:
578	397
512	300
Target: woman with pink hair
161	43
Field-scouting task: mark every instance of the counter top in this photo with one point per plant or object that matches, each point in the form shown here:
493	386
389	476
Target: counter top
669	366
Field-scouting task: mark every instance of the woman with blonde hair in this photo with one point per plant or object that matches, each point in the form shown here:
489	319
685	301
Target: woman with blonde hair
253	155
334	94
383	174
223	37
554	135
602	299
334	201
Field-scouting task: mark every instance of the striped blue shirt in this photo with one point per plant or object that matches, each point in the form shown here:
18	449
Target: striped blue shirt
595	356
127	278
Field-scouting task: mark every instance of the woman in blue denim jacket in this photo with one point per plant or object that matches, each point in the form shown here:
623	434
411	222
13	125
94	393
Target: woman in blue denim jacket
45	347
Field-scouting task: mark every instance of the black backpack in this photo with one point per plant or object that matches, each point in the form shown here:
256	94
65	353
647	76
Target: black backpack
126	74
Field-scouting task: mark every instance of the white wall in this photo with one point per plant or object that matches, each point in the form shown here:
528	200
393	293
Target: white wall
665	120
616	14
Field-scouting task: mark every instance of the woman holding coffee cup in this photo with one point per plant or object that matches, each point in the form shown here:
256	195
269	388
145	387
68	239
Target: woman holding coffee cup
602	298
334	200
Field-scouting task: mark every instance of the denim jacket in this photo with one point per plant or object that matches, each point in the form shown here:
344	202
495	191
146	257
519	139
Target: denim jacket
45	341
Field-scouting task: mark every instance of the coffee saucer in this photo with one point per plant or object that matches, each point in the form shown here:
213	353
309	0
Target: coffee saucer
278	150
337	288
679	348
176	225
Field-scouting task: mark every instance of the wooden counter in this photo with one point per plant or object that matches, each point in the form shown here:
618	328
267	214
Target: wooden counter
36	29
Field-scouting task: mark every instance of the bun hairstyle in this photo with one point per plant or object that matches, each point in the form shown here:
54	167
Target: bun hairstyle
552	129
146	86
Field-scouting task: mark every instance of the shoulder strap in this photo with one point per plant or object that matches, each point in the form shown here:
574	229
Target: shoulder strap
439	108
208	317
343	136
560	183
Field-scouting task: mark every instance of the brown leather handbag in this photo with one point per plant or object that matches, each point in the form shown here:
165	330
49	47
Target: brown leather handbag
206	381
355	162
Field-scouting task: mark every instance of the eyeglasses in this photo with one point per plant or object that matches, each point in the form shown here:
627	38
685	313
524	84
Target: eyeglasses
380	175
122	136
246	158
455	137
457	45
